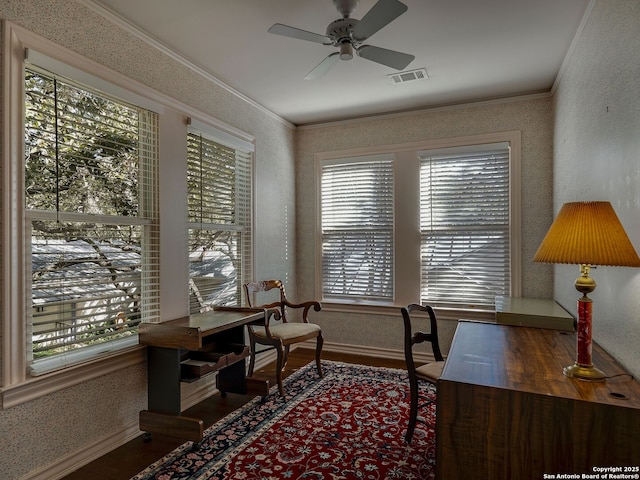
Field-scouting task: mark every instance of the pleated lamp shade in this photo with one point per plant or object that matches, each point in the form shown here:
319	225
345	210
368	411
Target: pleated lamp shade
587	233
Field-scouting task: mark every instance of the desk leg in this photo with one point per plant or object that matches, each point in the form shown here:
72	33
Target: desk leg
232	378
164	380
163	416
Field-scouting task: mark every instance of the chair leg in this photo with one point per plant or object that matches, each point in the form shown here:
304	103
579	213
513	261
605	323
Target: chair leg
285	359
252	359
279	368
319	343
413	411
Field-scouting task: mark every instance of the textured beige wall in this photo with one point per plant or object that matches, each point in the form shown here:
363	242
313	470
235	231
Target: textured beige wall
597	137
597	157
533	117
41	432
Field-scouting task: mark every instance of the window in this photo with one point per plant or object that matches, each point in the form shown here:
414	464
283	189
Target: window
434	223
357	228
91	229
219	202
464	225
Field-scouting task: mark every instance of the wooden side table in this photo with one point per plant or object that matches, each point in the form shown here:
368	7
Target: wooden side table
186	349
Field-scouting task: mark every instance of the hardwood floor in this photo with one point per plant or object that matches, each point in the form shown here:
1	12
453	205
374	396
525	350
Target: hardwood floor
129	459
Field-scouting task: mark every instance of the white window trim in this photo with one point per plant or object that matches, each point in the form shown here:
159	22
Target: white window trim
17	386
63	69
245	144
236	139
366	160
407	284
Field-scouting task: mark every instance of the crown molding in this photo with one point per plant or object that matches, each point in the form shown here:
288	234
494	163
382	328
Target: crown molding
428	110
147	38
572	47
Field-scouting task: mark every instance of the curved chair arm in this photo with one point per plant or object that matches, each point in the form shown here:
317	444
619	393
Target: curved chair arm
268	313
283	303
306	305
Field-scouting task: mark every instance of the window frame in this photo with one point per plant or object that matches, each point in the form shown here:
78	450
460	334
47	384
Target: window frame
436	225
17	386
242	148
407	228
346	229
145	164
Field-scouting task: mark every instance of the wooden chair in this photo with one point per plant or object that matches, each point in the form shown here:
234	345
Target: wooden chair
278	332
429	372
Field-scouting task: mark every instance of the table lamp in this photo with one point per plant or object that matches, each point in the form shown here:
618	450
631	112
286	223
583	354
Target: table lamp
586	233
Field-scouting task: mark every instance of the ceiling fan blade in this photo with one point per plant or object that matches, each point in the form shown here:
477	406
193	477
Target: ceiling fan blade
381	14
287	31
323	67
390	58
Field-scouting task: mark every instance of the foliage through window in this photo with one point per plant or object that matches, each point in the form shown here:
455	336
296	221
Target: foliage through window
219	204
91	215
464	224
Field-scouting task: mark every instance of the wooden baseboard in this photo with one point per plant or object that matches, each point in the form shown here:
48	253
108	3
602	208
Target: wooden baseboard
81	457
366	351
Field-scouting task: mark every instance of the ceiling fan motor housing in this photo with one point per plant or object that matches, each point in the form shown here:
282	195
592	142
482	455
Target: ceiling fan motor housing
339	31
345	7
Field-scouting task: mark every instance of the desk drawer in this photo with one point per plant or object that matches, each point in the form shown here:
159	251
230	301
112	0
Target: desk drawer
200	363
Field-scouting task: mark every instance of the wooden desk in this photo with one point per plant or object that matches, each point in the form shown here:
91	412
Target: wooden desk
506	411
186	349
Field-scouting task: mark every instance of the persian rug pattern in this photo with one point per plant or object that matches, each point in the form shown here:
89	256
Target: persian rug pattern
348	425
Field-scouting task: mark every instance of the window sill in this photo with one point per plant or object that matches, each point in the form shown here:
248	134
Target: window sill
443	313
36	387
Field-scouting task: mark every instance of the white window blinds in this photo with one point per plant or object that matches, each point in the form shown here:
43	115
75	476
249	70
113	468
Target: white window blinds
464	223
357	228
92	210
220	211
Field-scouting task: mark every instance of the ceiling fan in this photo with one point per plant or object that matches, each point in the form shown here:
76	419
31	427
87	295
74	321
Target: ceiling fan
348	34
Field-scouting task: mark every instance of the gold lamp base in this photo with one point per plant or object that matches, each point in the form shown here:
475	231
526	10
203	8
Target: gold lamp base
582	372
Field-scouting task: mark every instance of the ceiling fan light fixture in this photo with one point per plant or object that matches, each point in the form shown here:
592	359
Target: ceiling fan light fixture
346	51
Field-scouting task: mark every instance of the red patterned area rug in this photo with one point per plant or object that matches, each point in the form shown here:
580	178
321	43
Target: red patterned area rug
348	425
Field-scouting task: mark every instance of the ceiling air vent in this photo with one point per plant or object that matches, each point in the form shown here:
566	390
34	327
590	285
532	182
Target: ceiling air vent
408	76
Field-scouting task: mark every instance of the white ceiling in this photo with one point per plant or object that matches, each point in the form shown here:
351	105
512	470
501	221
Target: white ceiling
472	50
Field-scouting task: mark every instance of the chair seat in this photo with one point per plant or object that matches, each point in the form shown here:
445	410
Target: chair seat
430	371
288	331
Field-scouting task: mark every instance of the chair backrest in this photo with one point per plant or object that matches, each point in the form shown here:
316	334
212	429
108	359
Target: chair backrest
411	339
250	289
